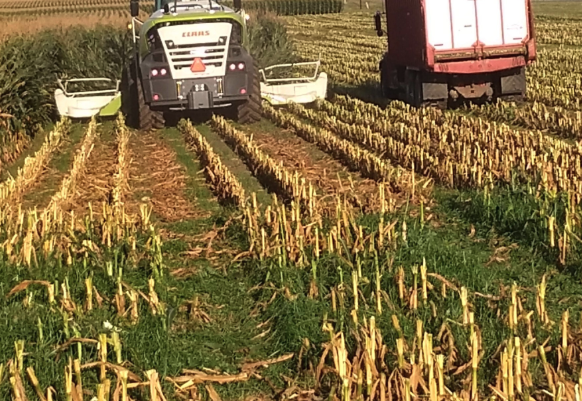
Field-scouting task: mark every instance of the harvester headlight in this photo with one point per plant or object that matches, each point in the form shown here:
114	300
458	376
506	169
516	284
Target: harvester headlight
241	66
232	67
247	17
170	44
154	73
163	71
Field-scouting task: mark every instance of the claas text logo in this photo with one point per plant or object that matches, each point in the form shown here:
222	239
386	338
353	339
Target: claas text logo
195	33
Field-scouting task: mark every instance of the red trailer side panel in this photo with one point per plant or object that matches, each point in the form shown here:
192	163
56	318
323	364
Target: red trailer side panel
406	34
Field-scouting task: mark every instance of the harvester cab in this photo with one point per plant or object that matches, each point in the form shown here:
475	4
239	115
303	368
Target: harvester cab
192	55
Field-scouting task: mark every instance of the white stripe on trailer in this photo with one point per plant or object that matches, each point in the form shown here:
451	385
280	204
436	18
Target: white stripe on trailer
196	40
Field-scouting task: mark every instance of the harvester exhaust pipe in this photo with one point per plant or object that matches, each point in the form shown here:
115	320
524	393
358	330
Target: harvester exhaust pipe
134	8
378	23
237	4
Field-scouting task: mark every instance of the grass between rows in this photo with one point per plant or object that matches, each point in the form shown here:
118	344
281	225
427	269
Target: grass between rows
501	250
224	289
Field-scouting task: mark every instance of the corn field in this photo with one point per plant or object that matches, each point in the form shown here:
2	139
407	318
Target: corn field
352	249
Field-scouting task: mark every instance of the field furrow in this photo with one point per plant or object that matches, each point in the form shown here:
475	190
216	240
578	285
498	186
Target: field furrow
224	184
328	175
289	185
345	151
156	179
94	185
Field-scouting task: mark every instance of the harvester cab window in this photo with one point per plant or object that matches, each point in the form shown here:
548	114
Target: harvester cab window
188	5
236	35
154	41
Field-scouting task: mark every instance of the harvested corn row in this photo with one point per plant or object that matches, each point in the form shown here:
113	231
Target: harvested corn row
225	185
121	177
370	165
68	184
34	165
290	185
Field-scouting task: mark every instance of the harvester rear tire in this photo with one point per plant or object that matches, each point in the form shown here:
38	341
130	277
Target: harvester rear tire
128	97
148	119
251	110
139	115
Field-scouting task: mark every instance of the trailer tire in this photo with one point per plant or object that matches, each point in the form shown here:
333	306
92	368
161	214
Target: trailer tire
251	110
138	113
387	91
413	89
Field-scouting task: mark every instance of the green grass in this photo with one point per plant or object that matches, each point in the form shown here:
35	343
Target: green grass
449	252
224	343
227	341
235	165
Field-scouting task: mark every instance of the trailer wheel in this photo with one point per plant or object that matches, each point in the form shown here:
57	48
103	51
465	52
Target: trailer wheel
251	110
511	88
139	115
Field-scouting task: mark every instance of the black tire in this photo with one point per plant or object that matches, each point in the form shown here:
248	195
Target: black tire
413	89
128	97
138	113
251	110
387	91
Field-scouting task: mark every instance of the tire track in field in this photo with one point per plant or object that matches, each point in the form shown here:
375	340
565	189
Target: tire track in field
156	178
97	181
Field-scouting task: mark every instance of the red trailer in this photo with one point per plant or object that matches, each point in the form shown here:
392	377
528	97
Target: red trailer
447	50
